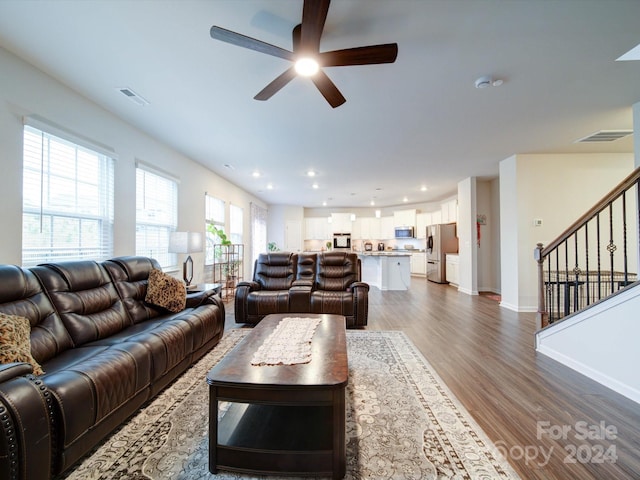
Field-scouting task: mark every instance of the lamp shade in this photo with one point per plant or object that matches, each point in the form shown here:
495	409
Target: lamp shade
185	242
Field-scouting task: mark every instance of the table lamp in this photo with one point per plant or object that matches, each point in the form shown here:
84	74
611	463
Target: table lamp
186	242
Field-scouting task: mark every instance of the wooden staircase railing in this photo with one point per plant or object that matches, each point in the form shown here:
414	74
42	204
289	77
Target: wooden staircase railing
594	257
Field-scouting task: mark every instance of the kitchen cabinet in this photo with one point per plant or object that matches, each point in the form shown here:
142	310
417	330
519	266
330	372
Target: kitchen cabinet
422	220
436	217
386	271
316	228
369	228
404	218
387	228
449	211
419	263
452	265
341	223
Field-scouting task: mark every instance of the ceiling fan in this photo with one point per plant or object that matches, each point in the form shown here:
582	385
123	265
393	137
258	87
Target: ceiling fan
306	53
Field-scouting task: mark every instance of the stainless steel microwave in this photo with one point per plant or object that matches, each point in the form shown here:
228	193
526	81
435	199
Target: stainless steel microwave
404	232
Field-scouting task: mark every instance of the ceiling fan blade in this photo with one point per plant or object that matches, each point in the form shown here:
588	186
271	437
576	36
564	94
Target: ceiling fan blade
296	35
328	90
275	86
314	14
370	55
224	35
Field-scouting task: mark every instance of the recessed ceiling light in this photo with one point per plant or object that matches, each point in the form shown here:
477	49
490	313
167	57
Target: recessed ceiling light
311	173
315	185
324	204
372	203
405	199
423	188
269	186
307	67
255	174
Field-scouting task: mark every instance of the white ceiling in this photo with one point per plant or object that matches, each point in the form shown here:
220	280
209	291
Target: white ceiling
419	121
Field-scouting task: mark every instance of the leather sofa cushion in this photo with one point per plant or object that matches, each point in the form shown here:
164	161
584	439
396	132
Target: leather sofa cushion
130	275
21	294
91	382
332	302
265	302
336	271
275	271
168	341
85	298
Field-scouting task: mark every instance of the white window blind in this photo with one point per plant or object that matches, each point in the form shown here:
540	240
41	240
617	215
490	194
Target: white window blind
67	208
156	215
214	215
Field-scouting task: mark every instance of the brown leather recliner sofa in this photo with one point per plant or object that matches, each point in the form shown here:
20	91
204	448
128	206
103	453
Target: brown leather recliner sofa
285	282
104	352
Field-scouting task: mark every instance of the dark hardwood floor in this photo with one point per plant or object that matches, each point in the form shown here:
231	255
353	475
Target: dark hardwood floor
550	421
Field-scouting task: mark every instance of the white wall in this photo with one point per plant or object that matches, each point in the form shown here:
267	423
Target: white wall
600	342
556	188
24	90
279	216
467	236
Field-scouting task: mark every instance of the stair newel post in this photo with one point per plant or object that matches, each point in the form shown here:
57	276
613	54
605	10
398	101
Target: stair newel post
542	317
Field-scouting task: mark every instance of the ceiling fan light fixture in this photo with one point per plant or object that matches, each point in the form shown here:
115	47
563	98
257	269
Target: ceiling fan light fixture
307	66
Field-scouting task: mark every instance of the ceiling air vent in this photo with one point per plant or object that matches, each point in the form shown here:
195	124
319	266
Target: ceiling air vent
133	96
605	136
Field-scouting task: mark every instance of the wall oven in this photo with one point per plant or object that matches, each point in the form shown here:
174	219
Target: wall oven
342	241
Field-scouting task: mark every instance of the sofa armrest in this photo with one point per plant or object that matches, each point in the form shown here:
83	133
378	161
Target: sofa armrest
240	306
12	370
26	434
303	283
300	298
360	303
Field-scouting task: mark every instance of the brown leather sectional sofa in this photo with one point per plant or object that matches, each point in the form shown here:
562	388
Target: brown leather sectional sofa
285	282
104	351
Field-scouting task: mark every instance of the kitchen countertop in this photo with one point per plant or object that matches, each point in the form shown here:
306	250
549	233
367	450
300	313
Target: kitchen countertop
387	253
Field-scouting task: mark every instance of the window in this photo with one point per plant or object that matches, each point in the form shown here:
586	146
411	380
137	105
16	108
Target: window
67	208
156	214
235	224
214	216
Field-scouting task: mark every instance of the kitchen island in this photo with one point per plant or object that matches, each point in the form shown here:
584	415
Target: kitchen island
386	270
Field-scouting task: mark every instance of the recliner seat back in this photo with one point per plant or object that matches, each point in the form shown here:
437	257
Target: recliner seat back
275	271
336	271
82	294
21	294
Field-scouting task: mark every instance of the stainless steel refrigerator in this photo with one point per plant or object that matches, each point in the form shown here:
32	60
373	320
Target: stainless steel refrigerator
441	239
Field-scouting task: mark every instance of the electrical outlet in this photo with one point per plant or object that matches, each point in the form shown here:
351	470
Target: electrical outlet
537	222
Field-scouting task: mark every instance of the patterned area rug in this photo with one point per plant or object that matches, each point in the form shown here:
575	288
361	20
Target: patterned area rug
402	423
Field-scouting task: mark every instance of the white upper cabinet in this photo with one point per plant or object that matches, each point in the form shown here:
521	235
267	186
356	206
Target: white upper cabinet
341	223
449	211
387	228
422	220
404	218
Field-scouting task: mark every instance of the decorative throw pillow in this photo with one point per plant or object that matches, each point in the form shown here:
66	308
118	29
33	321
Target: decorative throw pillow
165	291
14	341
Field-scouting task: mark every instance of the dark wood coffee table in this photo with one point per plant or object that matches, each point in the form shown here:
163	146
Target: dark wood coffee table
283	419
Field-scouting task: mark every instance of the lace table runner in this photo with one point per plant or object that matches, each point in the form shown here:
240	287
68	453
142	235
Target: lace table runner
289	344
